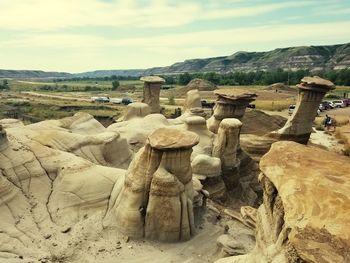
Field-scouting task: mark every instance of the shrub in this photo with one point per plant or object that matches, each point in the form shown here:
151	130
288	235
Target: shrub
171	100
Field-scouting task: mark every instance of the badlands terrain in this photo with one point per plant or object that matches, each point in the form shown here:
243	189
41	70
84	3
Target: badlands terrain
227	185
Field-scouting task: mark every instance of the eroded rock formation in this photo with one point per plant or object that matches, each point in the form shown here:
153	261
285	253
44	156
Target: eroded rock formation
157	198
299	126
304	215
229	104
151	91
226	148
136	110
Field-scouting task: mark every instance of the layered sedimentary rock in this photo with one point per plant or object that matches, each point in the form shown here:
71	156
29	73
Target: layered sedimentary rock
151	91
229	104
304	215
299	126
45	192
156	200
137	130
94	143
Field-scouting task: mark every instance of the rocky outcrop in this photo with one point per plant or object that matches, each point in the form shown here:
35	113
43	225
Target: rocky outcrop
299	126
151	91
229	104
45	192
157	198
85	137
226	148
136	110
304	215
192	107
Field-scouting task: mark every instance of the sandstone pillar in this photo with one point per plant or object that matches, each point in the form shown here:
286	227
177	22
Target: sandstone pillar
225	147
151	91
299	125
156	201
229	104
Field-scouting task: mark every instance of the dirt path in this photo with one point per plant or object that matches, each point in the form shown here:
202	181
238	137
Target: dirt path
30	93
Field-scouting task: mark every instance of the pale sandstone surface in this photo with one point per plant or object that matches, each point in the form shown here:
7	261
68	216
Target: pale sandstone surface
314	187
192	107
44	192
136	110
70	189
305	212
55	203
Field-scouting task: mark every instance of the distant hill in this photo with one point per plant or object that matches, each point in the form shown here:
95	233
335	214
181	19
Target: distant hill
31	74
293	58
108	73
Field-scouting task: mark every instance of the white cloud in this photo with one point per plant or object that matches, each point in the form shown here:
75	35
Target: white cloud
142	52
53	14
212	38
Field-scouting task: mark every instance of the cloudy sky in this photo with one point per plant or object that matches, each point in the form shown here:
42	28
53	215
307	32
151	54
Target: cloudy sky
83	35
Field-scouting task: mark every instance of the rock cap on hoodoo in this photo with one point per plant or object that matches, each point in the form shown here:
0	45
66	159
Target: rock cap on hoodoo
152	79
171	139
234	94
317	82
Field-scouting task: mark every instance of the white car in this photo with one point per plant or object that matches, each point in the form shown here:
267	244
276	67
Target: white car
338	104
291	109
115	100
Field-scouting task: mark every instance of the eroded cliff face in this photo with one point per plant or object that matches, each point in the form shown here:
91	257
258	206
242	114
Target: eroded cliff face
304	215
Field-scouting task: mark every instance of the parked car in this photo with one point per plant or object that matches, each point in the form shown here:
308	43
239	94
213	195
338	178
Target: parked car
291	109
346	102
321	107
93	99
207	104
338	104
327	105
99	99
127	101
116	100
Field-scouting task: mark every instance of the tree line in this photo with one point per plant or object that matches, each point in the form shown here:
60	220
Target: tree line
338	77
4	84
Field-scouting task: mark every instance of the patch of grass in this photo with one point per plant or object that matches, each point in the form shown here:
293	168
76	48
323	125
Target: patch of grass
340	120
171	100
318	122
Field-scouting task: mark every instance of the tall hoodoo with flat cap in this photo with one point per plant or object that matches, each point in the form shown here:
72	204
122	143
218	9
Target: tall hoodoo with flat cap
299	125
229	104
156	201
151	91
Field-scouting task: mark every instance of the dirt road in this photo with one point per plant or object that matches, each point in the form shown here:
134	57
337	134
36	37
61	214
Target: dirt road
30	93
